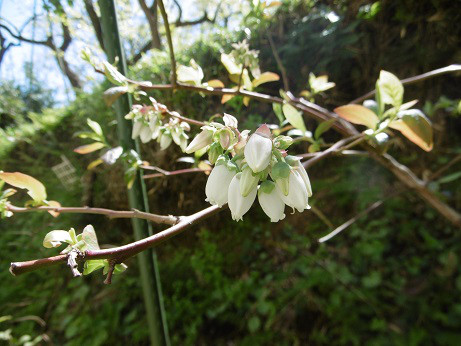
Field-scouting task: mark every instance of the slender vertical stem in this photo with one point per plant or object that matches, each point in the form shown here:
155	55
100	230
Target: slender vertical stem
161	6
150	280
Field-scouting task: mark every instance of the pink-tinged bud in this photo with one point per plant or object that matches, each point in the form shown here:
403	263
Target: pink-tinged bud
264	130
258	152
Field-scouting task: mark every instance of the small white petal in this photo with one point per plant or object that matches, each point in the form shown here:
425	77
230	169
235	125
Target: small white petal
217	185
165	141
297	197
258	152
137	127
272	205
302	172
145	134
200	141
238	204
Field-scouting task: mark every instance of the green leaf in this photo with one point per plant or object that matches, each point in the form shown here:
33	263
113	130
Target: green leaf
90	238
294	117
277	107
265	77
266	186
94	126
113	75
449	178
414	125
35	189
280	170
390	89
323	127
358	114
56	238
253	324
111	95
92	265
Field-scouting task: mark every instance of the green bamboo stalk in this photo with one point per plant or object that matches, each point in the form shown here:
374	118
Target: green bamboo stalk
137	195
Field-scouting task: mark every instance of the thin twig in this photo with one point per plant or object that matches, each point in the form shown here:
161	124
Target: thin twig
161	6
279	62
415	79
441	170
364	212
164	173
111	214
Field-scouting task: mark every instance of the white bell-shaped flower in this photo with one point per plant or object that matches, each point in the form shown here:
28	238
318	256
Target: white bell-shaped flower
165	141
137	127
297	197
238	204
200	141
271	202
145	134
217	185
302	172
258	152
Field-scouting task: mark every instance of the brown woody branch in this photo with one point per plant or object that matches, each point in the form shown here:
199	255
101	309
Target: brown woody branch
111	214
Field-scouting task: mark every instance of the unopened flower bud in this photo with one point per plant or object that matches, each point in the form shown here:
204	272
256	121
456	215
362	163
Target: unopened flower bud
200	141
258	152
214	152
248	181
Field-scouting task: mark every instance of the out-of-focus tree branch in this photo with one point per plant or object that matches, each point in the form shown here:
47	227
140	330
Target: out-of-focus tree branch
95	21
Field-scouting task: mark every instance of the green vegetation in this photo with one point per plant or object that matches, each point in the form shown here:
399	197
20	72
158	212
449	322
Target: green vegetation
392	278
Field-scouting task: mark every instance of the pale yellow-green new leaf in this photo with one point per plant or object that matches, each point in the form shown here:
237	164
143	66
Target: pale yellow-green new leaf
294	117
56	238
230	64
414	125
35	189
89	148
390	89
265	77
357	114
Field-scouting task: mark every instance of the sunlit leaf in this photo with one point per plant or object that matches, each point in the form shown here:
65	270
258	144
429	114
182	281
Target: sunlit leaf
320	83
215	83
265	78
357	114
92	265
246	101
89	148
94	126
113	75
36	189
90	239
414	125
56	238
111	95
294	117
94	164
230	64
192	74
226	98
390	89
54	204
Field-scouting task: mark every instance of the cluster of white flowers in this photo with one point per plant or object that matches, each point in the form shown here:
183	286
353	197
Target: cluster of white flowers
150	123
257	165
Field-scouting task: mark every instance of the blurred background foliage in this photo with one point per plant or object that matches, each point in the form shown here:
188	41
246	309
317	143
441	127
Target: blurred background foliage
391	278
